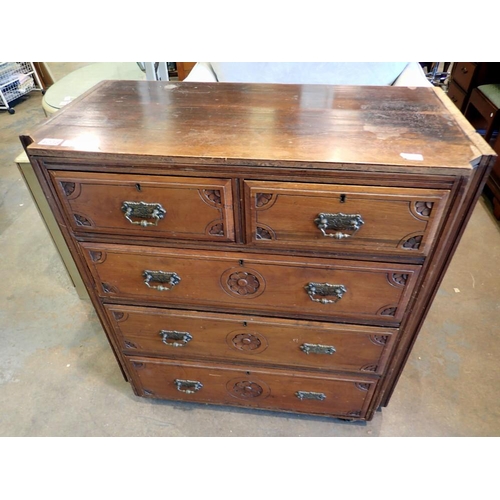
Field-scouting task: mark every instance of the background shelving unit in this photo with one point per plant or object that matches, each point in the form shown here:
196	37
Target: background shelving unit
16	80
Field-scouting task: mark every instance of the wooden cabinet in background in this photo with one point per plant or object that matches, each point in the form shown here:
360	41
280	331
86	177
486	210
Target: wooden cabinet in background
465	77
183	69
265	246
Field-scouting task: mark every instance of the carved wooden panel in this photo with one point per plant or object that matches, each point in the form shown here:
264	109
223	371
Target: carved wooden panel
289	214
261	341
169	207
267	389
257	282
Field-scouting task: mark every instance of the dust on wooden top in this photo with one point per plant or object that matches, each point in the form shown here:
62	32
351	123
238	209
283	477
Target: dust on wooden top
378	128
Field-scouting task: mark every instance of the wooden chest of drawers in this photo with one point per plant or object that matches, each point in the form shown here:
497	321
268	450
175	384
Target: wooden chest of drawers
267	246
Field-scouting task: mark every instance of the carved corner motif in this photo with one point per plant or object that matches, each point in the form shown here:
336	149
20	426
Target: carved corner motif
68	188
411	241
119	315
369	368
82	220
264	232
129	345
107	288
263	201
387	311
379	339
421	210
362	386
215	228
97	257
212	197
397	279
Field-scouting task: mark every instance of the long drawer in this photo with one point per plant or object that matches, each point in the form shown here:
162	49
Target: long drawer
317	288
265	389
327	217
239	338
146	205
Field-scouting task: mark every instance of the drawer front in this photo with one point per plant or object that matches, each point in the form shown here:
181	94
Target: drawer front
343	218
233	385
160	332
456	94
318	288
145	205
463	72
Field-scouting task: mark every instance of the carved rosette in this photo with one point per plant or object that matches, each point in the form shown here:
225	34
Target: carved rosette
248	389
247	342
244	283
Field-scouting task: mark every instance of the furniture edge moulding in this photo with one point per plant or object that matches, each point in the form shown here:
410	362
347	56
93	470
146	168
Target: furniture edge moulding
87	278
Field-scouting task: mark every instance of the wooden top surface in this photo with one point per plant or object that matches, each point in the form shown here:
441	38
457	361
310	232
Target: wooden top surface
260	124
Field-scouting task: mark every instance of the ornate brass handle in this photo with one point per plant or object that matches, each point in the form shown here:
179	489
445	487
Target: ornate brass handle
171	279
143	210
338	223
175	339
317	349
310	395
188	386
325	290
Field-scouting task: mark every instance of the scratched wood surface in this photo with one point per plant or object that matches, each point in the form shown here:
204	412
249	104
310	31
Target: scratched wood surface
259	123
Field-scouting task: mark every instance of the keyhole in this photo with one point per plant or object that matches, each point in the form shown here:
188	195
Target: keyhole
138	187
245	323
242	263
342	198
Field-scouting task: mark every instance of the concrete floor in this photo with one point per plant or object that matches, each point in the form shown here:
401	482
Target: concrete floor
58	376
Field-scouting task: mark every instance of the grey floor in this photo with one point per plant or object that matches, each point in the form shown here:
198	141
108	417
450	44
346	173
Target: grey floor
58	376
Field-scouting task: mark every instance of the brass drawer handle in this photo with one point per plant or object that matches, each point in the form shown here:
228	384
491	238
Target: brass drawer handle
143	210
319	396
325	290
188	386
338	223
171	279
317	349
175	339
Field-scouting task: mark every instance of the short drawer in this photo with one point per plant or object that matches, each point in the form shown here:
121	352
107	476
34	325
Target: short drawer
241	386
191	334
456	94
146	205
285	286
462	74
377	220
